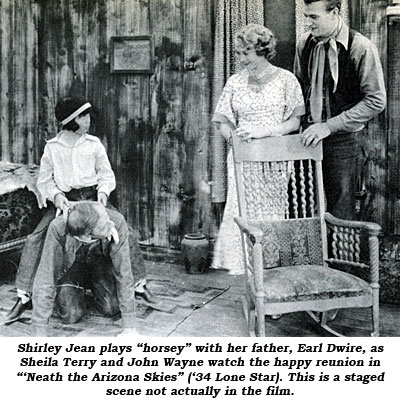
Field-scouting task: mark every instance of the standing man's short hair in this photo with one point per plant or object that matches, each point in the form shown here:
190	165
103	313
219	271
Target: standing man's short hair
330	4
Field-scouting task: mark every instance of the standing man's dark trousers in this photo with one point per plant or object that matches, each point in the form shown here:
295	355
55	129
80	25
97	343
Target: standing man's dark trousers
339	166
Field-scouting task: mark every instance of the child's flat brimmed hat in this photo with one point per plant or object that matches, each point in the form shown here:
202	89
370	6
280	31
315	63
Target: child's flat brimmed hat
70	108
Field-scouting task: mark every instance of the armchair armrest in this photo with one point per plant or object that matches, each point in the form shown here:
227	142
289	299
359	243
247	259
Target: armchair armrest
373	231
255	264
371	227
255	234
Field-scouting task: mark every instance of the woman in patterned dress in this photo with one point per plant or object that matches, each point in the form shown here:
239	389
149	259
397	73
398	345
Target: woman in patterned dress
261	100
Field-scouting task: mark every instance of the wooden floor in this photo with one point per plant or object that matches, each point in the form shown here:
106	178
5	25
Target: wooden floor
210	306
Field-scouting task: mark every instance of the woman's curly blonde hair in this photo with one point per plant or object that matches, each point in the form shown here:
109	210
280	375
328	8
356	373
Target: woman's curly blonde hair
259	37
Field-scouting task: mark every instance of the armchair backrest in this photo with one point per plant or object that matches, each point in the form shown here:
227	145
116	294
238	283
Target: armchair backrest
280	190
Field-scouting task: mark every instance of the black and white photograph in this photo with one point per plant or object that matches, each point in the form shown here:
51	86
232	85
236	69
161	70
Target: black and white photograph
213	169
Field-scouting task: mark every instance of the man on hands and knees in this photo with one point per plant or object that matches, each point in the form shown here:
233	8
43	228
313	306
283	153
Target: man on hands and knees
86	247
74	167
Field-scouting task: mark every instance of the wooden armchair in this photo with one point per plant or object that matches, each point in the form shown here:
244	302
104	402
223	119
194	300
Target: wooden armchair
290	244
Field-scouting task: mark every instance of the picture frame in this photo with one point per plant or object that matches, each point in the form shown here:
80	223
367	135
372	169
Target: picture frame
132	54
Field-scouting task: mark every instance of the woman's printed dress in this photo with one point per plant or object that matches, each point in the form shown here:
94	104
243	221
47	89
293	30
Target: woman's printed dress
264	105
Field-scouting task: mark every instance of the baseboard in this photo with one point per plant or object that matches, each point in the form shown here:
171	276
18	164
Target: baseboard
158	254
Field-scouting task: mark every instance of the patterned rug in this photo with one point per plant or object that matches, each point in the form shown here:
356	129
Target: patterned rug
169	296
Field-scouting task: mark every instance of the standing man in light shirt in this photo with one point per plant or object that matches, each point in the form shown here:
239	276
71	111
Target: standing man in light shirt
343	86
74	167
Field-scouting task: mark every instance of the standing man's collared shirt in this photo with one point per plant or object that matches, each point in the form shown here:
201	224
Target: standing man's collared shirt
85	164
372	84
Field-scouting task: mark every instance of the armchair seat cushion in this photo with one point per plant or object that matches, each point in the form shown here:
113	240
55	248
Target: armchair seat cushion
311	282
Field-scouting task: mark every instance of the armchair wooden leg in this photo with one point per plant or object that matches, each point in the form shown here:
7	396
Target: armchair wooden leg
375	322
252	322
374	284
331	314
375	314
260	314
249	313
323	324
322	318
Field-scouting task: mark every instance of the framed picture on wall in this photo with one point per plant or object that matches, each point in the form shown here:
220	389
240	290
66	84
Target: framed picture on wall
132	54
